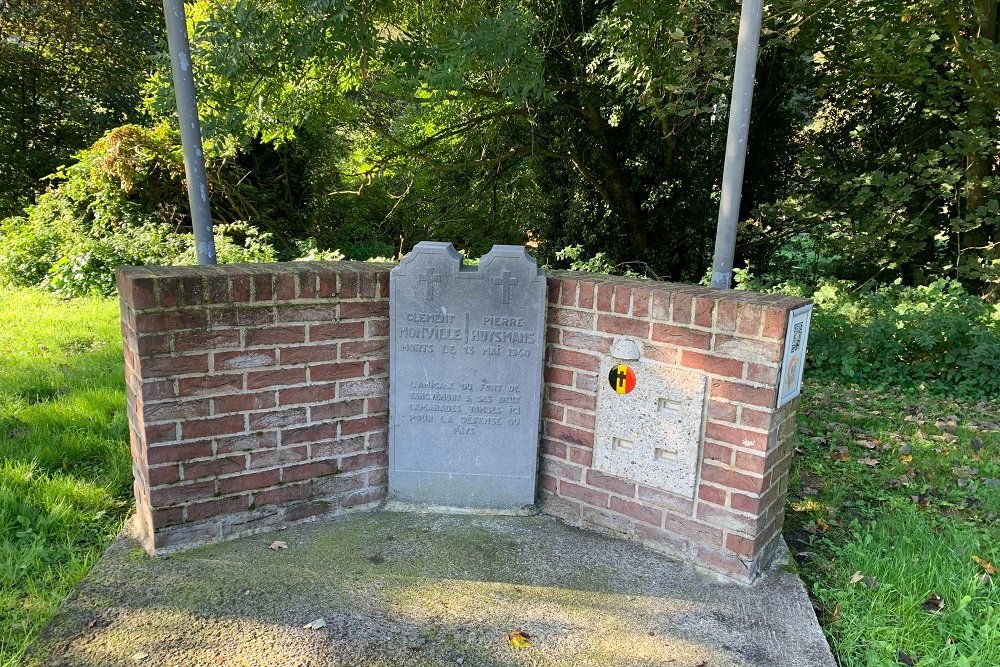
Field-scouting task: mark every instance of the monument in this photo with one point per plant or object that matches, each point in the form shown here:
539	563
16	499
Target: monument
466	350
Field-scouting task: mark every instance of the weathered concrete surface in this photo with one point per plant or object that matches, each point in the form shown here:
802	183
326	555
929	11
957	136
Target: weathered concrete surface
426	590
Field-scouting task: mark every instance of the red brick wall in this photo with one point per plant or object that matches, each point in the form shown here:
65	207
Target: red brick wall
257	395
732	524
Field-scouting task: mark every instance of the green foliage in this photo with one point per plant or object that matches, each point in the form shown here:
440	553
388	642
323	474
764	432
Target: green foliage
934	338
65	470
121	203
599	263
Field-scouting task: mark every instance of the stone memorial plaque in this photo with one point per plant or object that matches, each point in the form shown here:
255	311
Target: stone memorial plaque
650	420
465	377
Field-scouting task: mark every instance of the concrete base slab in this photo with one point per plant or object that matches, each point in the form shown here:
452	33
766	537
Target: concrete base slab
426	590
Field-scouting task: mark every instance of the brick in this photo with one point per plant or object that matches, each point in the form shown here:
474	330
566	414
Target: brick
624	326
581	419
180	452
606	521
636	511
218	289
548	482
285	494
692	529
141	292
583	456
364	425
174	365
553	448
306	313
158	433
745	503
749	319
640	302
661	539
681	307
363	349
276	378
362	461
561	469
612	484
189	341
585	299
242	316
741	393
241	289
725	315
262	287
226	465
313	433
665	500
167	517
307	284
275	335
711	364
585	494
569	435
578	340
704	307
363	388
155	390
311	470
663	354
720	411
712	494
347	287
246	442
240	360
217	507
570	398
375	328
202	428
339	371
338	448
168	474
553	412
171	320
180	493
605	294
249	481
728	520
731	479
562	357
736	436
150	344
681	337
715	452
750	462
309	394
364	310
262	421
243	402
762	374
175	410
554	289
741	545
747	349
365	497
309	354
336	410
210	384
270	458
775	323
571	318
561	376
730	564
659	305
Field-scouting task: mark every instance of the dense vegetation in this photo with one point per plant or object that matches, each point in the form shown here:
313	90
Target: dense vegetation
370	126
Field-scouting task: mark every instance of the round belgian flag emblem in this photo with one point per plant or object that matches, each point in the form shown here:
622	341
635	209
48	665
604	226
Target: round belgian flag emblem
622	379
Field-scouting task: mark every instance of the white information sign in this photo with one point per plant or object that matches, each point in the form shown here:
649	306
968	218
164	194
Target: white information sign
793	364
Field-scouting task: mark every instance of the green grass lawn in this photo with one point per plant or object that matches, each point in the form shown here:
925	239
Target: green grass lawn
893	497
65	474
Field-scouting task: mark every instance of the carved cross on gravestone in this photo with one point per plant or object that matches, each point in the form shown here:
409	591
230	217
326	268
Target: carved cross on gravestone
430	276
506	282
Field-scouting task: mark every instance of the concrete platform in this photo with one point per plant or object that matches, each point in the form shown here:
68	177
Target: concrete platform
426	590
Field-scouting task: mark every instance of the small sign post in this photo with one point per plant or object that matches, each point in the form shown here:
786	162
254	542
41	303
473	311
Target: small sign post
793	364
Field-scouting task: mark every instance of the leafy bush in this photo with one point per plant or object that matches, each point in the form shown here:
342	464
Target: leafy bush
936	338
122	202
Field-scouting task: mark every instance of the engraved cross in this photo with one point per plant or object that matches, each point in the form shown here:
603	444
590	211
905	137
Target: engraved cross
430	276
506	282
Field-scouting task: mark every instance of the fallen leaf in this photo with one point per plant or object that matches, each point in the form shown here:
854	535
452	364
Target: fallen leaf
315	624
905	659
856	578
139	657
986	565
277	545
869	461
868	444
907	458
933	604
823	525
835	616
842	453
519	639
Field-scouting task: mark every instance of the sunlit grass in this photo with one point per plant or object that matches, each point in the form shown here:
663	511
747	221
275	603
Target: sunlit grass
64	464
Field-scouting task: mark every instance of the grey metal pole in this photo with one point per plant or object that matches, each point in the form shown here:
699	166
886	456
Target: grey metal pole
187	116
736	144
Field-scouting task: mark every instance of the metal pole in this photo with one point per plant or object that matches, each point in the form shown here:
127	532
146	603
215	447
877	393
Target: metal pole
736	144
187	115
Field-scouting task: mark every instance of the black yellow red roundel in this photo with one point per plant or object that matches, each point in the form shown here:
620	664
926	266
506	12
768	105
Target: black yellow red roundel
622	379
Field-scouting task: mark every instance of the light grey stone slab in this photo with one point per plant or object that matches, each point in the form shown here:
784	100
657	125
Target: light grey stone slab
465	377
651	435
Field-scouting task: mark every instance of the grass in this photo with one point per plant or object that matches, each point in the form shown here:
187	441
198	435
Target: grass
891	497
65	473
